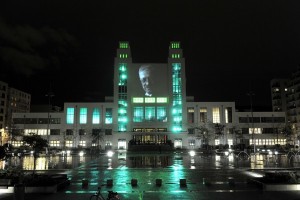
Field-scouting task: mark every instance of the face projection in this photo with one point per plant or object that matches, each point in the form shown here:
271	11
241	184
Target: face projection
145	74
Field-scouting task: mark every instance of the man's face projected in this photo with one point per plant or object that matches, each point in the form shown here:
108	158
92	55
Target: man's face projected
146	79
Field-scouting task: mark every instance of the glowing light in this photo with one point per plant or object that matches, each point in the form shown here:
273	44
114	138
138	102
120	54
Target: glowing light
81	153
110	153
192	153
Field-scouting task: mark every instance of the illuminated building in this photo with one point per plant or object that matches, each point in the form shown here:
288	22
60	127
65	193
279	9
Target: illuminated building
149	108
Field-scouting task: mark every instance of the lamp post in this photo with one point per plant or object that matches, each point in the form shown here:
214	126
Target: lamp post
250	94
49	95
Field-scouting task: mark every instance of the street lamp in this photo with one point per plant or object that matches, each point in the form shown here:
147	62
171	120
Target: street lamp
250	94
49	95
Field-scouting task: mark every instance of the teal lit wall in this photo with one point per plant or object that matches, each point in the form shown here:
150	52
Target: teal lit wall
177	97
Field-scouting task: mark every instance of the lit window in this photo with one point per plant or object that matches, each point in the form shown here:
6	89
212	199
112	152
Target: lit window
217	141
82	143
149	113
203	115
138	100
138	114
149	100
256	130
70	115
161	100
83	116
69	143
161	114
108	116
54	143
96	116
216	114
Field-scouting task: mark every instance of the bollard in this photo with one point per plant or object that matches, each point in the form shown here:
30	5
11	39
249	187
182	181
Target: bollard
19	191
85	183
134	182
158	182
109	182
182	182
231	181
205	181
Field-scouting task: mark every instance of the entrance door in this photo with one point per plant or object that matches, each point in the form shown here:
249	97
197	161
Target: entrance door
122	144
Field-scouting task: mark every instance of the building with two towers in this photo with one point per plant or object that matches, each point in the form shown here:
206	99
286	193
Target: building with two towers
149	108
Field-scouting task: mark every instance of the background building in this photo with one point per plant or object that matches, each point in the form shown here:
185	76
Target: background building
11	101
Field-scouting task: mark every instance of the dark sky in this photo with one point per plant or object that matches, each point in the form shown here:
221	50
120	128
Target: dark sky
231	47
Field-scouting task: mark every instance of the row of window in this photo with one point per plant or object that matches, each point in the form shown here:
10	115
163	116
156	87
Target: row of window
36	121
216	116
94	132
261	119
83	115
150	100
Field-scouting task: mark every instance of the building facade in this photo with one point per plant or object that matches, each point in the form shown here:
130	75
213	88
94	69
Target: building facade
150	108
11	101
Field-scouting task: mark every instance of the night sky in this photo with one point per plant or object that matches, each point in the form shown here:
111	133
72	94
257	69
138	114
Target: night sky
231	47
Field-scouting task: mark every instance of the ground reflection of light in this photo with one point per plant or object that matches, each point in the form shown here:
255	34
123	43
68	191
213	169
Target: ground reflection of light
231	158
2	164
257	161
253	174
109	164
42	163
28	163
81	159
192	160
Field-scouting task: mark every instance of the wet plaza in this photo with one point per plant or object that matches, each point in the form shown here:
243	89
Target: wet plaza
206	176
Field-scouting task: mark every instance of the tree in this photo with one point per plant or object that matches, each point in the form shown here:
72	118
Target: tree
37	143
97	137
219	130
287	132
237	133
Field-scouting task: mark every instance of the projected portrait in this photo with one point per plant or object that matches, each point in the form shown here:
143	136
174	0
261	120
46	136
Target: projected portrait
146	78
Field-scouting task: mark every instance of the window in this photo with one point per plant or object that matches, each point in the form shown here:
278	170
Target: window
149	100
138	114
108	116
228	115
216	114
190	115
203	115
149	113
192	143
69	132
161	100
217	141
83	116
108	131
161	114
82	143
82	132
96	116
138	100
54	143
256	130
69	143
17	143
54	132
70	115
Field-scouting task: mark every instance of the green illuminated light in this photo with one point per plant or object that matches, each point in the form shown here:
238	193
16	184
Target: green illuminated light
138	100
123	45
70	115
149	100
83	116
161	100
96	116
